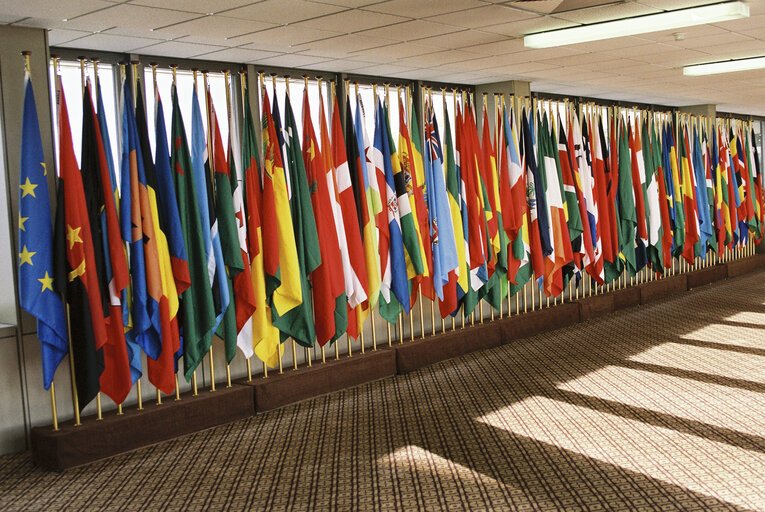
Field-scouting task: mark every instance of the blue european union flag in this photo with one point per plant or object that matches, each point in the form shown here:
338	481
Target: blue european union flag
36	289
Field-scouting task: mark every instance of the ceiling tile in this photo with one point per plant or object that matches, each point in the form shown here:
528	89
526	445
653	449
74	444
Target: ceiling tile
542	6
289	60
529	26
689	33
608	44
338	65
347	3
281	12
237	55
738	50
483	16
129	16
410	30
383	69
352	21
502	47
48	9
727	38
197	6
423	8
58	36
439	58
394	51
752	22
607	13
342	46
109	43
216	29
177	49
284	38
462	39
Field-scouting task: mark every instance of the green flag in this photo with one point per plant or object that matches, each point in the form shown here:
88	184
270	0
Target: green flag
626	203
197	309
298	322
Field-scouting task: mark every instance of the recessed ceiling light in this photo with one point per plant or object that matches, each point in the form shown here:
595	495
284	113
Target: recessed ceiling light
668	20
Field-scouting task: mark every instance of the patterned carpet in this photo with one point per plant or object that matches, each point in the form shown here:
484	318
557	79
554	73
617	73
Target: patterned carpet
660	407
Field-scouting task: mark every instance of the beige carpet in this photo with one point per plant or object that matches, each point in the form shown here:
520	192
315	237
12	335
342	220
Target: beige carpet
660	407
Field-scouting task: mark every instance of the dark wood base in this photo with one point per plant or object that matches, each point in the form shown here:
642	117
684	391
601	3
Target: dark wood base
413	355
596	305
661	288
71	446
541	320
626	298
706	276
278	390
737	268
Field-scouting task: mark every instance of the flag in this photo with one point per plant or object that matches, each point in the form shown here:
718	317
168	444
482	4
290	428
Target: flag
76	273
540	242
159	269
245	302
264	339
628	218
441	232
706	230
197	310
458	284
606	209
558	231
298	322
516	208
575	219
678	208
229	240
405	171
168	206
637	164
420	193
689	197
356	281
36	272
665	199
586	181
330	302
356	164
200	166
373	206
394	288
652	188
111	265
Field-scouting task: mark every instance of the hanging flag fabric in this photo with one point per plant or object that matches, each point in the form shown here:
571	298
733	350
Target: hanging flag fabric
372	206
584	178
229	239
75	271
298	322
330	302
411	221
458	283
111	265
357	292
651	192
541	245
678	208
420	192
689	198
36	273
606	208
159	270
637	164
243	287
441	232
197	310
706	230
216	271
664	200
519	256
168	206
558	232
394	289
356	165
628	223
565	166
264	340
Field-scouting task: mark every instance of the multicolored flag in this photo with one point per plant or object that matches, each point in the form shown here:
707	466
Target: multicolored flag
330	302
76	270
197	310
111	264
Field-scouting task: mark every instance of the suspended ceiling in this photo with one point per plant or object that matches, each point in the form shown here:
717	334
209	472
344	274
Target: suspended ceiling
463	41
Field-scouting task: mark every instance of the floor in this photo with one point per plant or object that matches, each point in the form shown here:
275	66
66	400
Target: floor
660	407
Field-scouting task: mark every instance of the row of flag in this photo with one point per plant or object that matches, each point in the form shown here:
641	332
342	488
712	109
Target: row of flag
258	243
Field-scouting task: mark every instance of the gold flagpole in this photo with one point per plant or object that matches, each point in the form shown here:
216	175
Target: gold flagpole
27	66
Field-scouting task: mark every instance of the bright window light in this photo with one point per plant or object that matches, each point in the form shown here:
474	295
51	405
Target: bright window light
727	66
639	25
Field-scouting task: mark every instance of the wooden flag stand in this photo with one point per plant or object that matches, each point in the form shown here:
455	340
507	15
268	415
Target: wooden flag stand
70	446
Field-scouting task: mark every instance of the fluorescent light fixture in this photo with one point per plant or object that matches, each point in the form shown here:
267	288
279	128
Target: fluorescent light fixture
726	66
668	20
